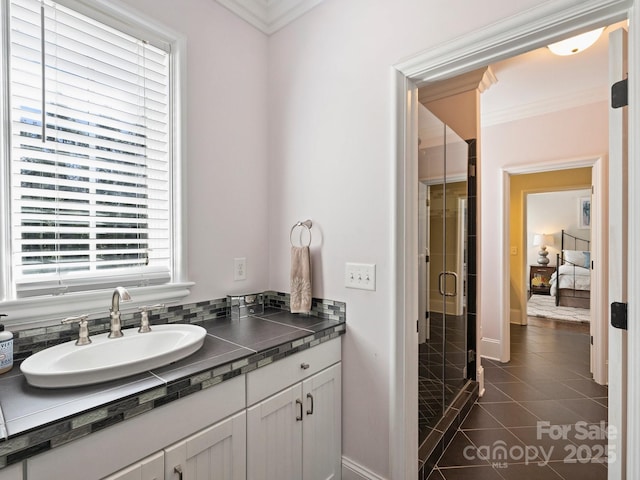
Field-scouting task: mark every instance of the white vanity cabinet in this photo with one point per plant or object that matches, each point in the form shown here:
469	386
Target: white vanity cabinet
279	422
13	472
295	433
151	468
216	453
322	425
274	437
121	447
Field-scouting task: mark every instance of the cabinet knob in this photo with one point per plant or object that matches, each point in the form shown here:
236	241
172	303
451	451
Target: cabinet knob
304	365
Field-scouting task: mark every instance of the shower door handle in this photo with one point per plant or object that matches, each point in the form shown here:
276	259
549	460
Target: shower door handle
441	286
455	284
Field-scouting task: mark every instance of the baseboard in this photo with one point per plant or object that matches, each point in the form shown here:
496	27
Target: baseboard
490	348
515	316
353	471
480	380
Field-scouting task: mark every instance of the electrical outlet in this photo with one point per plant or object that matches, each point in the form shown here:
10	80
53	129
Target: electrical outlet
360	275
239	268
514	250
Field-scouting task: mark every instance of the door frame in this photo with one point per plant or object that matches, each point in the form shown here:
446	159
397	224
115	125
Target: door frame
599	243
512	36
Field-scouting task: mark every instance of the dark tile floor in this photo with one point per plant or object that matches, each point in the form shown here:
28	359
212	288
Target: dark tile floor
541	417
441	369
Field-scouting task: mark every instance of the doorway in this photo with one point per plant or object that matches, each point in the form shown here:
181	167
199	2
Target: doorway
559	175
551	228
535	28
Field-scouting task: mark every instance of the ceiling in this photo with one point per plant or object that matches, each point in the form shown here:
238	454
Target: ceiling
540	82
269	16
527	85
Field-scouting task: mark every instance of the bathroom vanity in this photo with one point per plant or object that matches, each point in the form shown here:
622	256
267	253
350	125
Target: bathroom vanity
261	399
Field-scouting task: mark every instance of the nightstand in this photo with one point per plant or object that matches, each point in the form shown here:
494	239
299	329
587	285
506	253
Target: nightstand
540	279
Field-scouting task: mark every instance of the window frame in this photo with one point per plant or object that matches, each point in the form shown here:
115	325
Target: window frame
45	310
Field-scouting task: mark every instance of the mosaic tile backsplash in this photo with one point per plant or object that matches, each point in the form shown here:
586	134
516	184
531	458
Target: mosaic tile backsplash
27	342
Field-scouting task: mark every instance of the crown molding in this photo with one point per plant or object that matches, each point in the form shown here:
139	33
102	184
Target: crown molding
548	105
269	16
523	32
480	79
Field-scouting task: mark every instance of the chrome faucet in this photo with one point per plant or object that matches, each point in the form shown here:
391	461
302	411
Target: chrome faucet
83	338
120	293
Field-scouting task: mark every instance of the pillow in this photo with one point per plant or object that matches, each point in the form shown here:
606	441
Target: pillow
578	258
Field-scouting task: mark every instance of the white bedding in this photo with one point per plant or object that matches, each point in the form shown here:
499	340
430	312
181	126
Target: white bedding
578	278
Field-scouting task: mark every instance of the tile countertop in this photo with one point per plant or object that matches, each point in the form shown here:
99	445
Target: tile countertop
33	420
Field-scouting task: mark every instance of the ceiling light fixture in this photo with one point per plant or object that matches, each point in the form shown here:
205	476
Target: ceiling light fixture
576	44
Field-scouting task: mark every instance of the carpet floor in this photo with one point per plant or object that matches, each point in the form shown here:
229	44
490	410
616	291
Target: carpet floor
544	306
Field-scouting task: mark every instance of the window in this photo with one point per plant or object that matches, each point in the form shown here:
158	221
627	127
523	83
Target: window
90	164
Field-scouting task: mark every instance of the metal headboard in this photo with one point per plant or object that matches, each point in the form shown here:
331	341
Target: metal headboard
577	242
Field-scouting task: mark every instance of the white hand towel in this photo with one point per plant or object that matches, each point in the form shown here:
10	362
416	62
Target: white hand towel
300	280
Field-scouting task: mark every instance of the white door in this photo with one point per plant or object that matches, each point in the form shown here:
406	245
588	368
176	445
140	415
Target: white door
274	437
216	453
618	258
322	425
151	468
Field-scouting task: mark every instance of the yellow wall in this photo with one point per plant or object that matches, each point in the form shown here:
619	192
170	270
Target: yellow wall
521	185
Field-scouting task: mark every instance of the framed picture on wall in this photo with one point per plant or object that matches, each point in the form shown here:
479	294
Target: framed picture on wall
584	212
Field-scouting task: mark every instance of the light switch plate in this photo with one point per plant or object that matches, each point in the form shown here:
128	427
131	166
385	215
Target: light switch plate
360	275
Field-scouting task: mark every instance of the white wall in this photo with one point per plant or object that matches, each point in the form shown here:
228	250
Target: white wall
226	144
550	213
576	133
316	140
332	159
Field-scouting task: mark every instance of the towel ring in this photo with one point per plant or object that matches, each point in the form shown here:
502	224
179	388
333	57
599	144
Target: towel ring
306	224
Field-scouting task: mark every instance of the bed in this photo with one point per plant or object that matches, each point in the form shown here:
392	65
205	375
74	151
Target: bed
571	282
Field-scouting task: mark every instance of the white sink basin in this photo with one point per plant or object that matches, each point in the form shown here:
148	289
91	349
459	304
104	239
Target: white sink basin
69	365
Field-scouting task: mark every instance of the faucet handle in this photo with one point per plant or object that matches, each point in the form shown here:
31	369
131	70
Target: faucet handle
83	339
144	316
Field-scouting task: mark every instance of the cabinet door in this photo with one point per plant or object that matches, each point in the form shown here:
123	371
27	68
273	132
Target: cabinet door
151	468
216	453
322	425
274	437
13	472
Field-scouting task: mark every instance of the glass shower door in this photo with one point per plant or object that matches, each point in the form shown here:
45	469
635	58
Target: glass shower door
455	260
442	269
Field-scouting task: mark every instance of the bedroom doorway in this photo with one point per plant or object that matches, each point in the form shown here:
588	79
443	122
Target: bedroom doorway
583	174
557	238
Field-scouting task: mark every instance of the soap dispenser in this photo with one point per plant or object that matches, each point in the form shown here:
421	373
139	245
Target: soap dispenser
6	349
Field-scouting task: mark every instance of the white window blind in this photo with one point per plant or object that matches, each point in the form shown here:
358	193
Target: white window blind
90	153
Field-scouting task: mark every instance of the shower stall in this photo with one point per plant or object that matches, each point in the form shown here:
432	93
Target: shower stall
446	242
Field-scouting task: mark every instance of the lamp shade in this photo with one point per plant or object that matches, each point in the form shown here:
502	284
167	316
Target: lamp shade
540	239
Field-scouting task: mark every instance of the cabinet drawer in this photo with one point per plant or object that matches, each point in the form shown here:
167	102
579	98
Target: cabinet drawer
266	381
